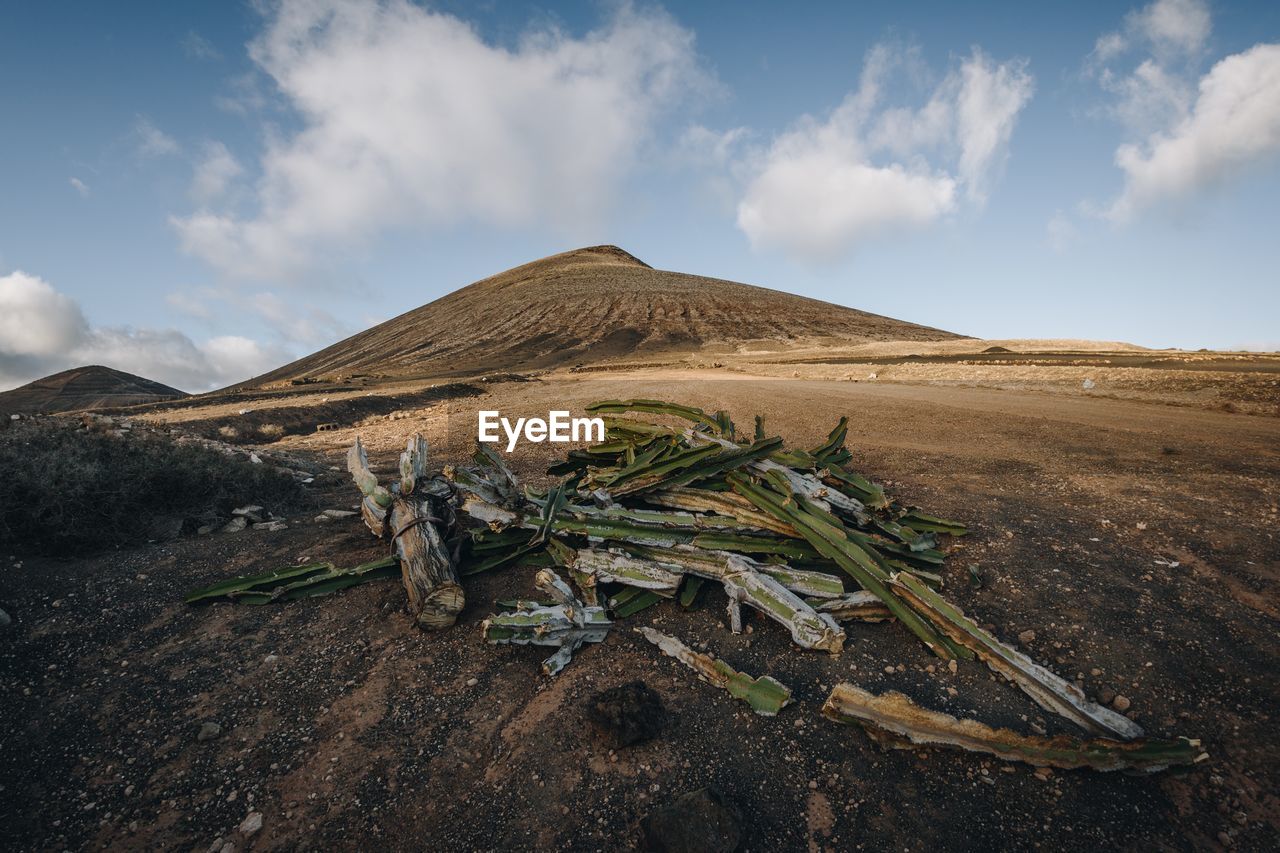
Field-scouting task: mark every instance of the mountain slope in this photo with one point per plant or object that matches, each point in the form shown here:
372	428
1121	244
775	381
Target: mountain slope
584	306
90	387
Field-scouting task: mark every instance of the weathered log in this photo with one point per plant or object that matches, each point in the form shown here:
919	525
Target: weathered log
409	512
429	574
427	568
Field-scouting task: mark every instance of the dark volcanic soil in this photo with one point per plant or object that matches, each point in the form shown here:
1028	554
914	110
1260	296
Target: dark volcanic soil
1137	541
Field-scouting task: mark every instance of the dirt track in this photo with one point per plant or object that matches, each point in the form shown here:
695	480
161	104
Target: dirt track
362	731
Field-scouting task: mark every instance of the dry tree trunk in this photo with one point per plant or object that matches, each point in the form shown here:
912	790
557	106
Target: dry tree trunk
416	517
430	576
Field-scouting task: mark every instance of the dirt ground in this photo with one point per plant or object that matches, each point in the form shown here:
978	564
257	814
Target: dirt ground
1136	539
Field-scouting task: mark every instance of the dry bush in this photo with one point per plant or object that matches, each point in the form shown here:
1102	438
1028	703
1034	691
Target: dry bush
270	432
67	492
228	433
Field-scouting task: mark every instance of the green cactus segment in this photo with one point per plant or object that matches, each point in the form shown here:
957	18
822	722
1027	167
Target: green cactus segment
893	720
766	695
827	536
294	582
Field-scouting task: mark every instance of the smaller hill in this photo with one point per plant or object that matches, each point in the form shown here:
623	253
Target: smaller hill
91	387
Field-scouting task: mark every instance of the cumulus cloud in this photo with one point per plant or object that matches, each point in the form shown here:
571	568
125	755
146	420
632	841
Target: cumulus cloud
828	184
1233	125
1187	131
79	186
43	331
409	117
151	140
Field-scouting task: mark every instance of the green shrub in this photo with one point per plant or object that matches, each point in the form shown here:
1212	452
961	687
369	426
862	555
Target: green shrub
64	491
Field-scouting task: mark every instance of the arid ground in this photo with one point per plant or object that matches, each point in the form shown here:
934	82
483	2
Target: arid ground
1132	526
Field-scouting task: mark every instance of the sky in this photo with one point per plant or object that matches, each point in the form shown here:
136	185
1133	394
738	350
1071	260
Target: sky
198	193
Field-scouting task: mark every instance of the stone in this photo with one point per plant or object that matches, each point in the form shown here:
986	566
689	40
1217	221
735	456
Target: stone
1105	695
629	714
271	526
253	512
5	619
1027	637
252	823
701	820
208	731
339	513
1121	703
235	525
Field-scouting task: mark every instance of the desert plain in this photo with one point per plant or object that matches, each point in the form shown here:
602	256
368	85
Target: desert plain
1123	506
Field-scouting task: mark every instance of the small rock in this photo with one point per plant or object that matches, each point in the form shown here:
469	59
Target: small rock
1043	773
1225	839
701	820
321	519
629	714
252	823
1105	695
253	512
255	459
1121	703
951	665
272	526
338	513
235	525
208	731
5	620
472	682
1087	384
1027	637
205	530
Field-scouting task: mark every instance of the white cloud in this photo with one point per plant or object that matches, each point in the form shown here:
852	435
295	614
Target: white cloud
43	331
409	118
79	186
1233	125
1181	26
1187	132
214	173
35	319
1168	28
828	184
151	140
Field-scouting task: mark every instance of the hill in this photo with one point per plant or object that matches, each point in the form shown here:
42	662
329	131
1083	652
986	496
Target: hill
91	387
586	305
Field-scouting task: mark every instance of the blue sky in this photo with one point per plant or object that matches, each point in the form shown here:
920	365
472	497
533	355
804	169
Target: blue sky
198	192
